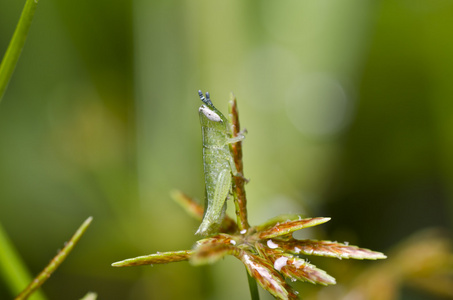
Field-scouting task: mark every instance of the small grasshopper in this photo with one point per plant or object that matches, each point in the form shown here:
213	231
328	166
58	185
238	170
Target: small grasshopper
218	164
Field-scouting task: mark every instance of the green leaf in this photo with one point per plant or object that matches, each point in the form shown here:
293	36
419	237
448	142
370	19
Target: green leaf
280	229
16	44
157	258
13	270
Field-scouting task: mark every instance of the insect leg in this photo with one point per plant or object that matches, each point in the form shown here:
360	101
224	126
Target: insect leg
235	139
216	206
234	171
240	136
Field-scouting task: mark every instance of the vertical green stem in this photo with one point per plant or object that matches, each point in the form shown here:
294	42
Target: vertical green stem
16	44
253	287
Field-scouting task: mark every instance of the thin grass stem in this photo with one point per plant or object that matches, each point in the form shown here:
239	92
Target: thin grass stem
16	44
253	286
55	262
13	270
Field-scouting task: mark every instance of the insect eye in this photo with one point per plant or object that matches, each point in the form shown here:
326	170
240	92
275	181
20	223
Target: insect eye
211	115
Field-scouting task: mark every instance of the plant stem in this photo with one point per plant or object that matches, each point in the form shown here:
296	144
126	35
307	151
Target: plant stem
236	150
16	44
253	287
55	262
240	200
12	269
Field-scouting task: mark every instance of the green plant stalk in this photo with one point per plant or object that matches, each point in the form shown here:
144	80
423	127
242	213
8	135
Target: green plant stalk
240	200
16	44
253	287
55	262
12	269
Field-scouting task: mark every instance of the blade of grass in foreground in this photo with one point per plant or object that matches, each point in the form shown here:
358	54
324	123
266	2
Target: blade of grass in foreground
12	269
55	262
16	44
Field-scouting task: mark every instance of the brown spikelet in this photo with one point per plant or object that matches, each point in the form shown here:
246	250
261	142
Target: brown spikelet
212	252
285	228
293	267
330	249
266	276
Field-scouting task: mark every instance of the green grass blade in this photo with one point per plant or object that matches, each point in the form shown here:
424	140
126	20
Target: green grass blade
12	269
16	44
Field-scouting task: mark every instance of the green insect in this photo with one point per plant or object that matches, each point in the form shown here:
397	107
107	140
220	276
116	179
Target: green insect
218	164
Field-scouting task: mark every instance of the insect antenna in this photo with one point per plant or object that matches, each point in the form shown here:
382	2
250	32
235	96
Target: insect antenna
206	100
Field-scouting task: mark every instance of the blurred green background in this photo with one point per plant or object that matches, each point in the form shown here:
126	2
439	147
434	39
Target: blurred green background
348	106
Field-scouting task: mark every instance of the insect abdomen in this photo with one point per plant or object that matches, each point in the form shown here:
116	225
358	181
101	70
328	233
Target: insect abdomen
217	173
